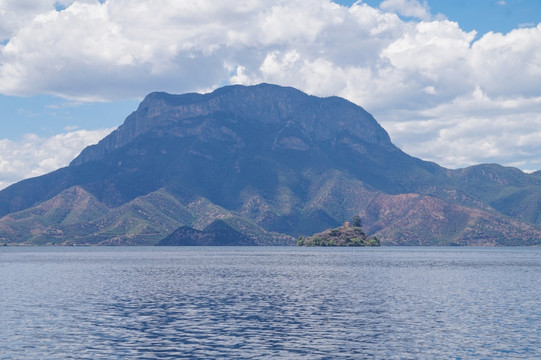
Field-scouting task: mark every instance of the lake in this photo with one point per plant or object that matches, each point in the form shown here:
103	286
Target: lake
270	302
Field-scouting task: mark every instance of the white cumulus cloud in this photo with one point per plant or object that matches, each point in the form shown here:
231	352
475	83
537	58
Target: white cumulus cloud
34	155
443	94
408	8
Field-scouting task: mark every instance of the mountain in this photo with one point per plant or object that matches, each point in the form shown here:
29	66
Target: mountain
272	163
218	233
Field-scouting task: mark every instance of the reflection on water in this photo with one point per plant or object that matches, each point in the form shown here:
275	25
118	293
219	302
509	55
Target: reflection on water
403	303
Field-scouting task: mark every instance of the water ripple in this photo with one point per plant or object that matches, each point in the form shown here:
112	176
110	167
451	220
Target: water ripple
387	303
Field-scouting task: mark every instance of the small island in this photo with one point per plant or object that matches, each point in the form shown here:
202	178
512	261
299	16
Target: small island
349	234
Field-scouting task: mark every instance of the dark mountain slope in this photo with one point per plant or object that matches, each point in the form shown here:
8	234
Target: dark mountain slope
218	233
282	125
262	105
270	160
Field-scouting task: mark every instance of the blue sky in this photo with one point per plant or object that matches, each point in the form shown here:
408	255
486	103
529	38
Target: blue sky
481	15
454	82
49	115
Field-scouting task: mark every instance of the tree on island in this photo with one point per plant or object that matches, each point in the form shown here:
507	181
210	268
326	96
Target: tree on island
356	221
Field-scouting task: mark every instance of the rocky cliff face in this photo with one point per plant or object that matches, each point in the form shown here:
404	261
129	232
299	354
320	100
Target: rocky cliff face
262	105
271	163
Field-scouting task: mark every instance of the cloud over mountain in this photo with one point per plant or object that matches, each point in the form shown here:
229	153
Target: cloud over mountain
438	90
33	155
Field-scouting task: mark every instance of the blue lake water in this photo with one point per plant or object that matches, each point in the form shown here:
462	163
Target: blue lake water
270	302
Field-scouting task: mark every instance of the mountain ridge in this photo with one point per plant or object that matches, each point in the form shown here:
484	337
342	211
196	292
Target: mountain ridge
274	163
195	105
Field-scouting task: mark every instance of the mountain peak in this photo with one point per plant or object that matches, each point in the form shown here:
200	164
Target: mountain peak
266	104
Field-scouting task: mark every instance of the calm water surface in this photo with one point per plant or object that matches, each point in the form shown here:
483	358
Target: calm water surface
291	303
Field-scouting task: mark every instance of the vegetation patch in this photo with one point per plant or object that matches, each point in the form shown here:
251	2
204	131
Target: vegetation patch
349	234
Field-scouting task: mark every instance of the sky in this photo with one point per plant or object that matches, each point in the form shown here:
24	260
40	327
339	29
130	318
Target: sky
454	82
